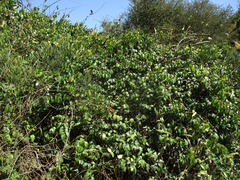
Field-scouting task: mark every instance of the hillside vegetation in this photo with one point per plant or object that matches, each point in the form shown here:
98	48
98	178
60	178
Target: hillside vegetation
77	104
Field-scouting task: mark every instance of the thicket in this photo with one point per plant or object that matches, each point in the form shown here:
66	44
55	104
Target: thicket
202	18
236	20
77	104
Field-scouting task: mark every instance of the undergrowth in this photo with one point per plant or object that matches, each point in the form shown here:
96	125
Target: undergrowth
77	105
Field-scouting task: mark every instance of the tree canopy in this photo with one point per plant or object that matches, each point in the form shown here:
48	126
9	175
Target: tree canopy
200	16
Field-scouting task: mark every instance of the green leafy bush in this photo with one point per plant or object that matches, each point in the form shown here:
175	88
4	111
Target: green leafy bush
200	17
116	105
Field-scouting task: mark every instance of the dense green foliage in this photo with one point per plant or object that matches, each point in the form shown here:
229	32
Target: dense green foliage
150	14
236	20
199	16
81	105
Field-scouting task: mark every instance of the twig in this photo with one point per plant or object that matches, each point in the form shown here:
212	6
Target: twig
50	5
92	13
31	130
98	9
39	165
183	40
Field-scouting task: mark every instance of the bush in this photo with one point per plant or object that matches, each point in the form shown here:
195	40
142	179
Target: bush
118	106
200	17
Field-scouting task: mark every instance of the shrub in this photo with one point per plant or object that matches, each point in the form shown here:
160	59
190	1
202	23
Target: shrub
120	106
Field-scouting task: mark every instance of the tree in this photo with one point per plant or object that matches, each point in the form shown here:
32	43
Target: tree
236	21
148	14
201	15
205	17
108	25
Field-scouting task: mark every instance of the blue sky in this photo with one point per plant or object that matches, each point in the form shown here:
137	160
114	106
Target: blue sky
103	9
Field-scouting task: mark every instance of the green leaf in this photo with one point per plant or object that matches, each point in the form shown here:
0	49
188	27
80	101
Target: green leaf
194	113
147	167
187	135
143	163
205	127
87	174
86	144
232	154
7	108
202	172
62	133
32	137
120	156
164	132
